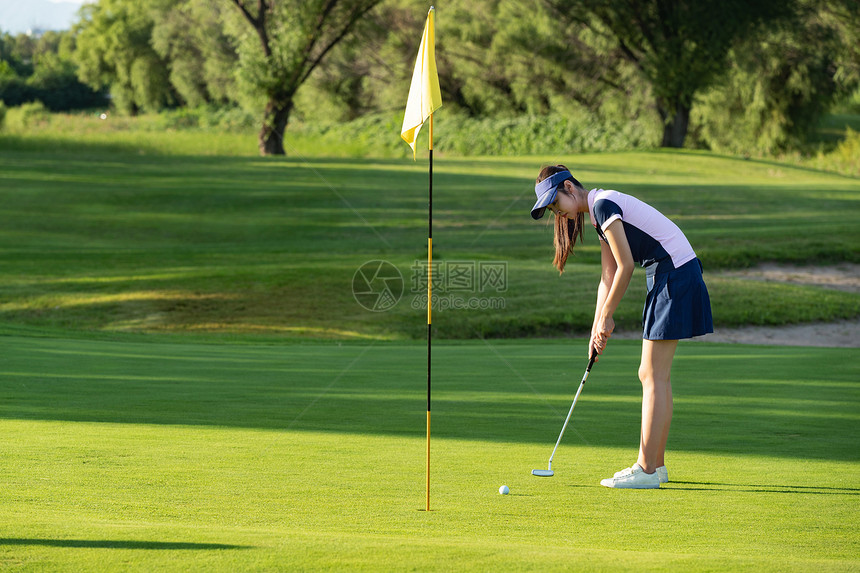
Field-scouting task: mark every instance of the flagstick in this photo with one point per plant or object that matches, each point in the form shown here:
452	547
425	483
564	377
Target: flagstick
425	97
429	299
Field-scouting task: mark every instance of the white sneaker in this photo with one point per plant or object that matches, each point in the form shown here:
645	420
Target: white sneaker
633	478
662	473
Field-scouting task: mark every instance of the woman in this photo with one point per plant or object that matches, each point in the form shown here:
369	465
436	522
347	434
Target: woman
677	305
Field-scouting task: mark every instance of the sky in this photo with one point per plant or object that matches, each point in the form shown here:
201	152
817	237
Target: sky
19	16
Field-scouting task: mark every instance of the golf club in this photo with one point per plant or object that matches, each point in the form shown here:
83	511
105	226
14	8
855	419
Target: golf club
548	472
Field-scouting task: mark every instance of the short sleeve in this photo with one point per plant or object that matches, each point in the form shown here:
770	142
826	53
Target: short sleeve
606	211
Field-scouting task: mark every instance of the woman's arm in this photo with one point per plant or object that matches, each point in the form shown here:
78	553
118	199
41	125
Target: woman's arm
607	274
621	269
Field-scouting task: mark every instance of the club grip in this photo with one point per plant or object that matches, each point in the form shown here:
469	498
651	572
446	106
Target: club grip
591	361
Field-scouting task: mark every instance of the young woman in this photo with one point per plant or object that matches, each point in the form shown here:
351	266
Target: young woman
677	305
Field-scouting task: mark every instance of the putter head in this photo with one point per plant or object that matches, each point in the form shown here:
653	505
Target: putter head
542	473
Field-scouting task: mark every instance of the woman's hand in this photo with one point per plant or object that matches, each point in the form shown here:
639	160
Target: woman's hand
600	334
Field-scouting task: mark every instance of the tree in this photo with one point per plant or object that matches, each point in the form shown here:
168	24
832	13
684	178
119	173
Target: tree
55	82
566	68
473	75
370	70
47	73
679	47
18	51
113	48
783	80
292	39
201	56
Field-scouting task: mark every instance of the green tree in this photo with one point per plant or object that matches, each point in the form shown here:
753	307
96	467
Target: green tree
783	80
113	48
191	36
364	73
678	47
49	75
287	42
18	52
475	75
55	83
567	68
370	70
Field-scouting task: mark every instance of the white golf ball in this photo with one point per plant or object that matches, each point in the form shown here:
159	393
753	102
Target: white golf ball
504	490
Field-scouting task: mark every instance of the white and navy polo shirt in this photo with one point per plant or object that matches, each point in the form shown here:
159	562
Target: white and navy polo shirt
655	242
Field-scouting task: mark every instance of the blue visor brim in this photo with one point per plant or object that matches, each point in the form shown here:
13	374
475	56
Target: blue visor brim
546	192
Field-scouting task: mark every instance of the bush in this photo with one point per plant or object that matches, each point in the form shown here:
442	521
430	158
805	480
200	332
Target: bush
58	90
532	135
845	159
14	91
377	135
26	116
209	117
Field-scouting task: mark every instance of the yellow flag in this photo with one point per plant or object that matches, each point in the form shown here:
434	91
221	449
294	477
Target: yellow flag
424	94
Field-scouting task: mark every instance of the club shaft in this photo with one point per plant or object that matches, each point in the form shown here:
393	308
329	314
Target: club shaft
566	420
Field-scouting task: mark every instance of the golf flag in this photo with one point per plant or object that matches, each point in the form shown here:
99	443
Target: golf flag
425	98
424	94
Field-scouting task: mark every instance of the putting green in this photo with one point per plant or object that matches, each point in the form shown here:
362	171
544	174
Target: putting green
131	454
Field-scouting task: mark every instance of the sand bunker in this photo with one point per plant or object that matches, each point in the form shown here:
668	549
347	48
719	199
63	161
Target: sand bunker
843	334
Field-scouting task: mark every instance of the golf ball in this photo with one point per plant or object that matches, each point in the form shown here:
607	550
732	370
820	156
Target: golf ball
504	490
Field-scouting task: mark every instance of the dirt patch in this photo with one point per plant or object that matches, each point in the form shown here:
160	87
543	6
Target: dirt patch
845	277
840	334
844	334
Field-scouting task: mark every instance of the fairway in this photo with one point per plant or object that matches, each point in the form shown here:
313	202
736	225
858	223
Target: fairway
128	453
98	238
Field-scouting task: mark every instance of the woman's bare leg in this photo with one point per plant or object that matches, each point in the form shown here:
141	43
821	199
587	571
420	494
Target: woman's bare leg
654	370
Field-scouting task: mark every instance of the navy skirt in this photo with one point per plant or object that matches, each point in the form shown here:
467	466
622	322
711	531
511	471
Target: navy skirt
677	304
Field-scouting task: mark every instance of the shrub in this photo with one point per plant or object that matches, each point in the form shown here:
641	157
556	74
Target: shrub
26	116
57	88
208	117
377	134
845	159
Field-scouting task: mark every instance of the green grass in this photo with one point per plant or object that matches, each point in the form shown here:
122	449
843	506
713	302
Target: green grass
163	406
97	237
132	455
35	129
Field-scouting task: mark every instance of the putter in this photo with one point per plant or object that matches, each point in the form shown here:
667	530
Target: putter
548	472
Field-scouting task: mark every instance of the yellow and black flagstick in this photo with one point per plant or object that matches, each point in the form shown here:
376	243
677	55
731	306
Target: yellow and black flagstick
429	298
424	98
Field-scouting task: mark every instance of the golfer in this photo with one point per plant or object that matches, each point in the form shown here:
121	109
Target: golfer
676	305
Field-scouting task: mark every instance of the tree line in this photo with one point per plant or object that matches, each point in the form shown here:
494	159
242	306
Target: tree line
728	74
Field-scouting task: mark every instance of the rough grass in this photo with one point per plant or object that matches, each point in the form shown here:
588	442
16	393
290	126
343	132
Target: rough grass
96	237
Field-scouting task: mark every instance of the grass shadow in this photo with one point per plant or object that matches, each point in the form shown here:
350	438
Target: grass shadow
120	544
738	400
755	488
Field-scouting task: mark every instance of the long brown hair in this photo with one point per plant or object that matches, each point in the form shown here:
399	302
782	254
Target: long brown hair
566	230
